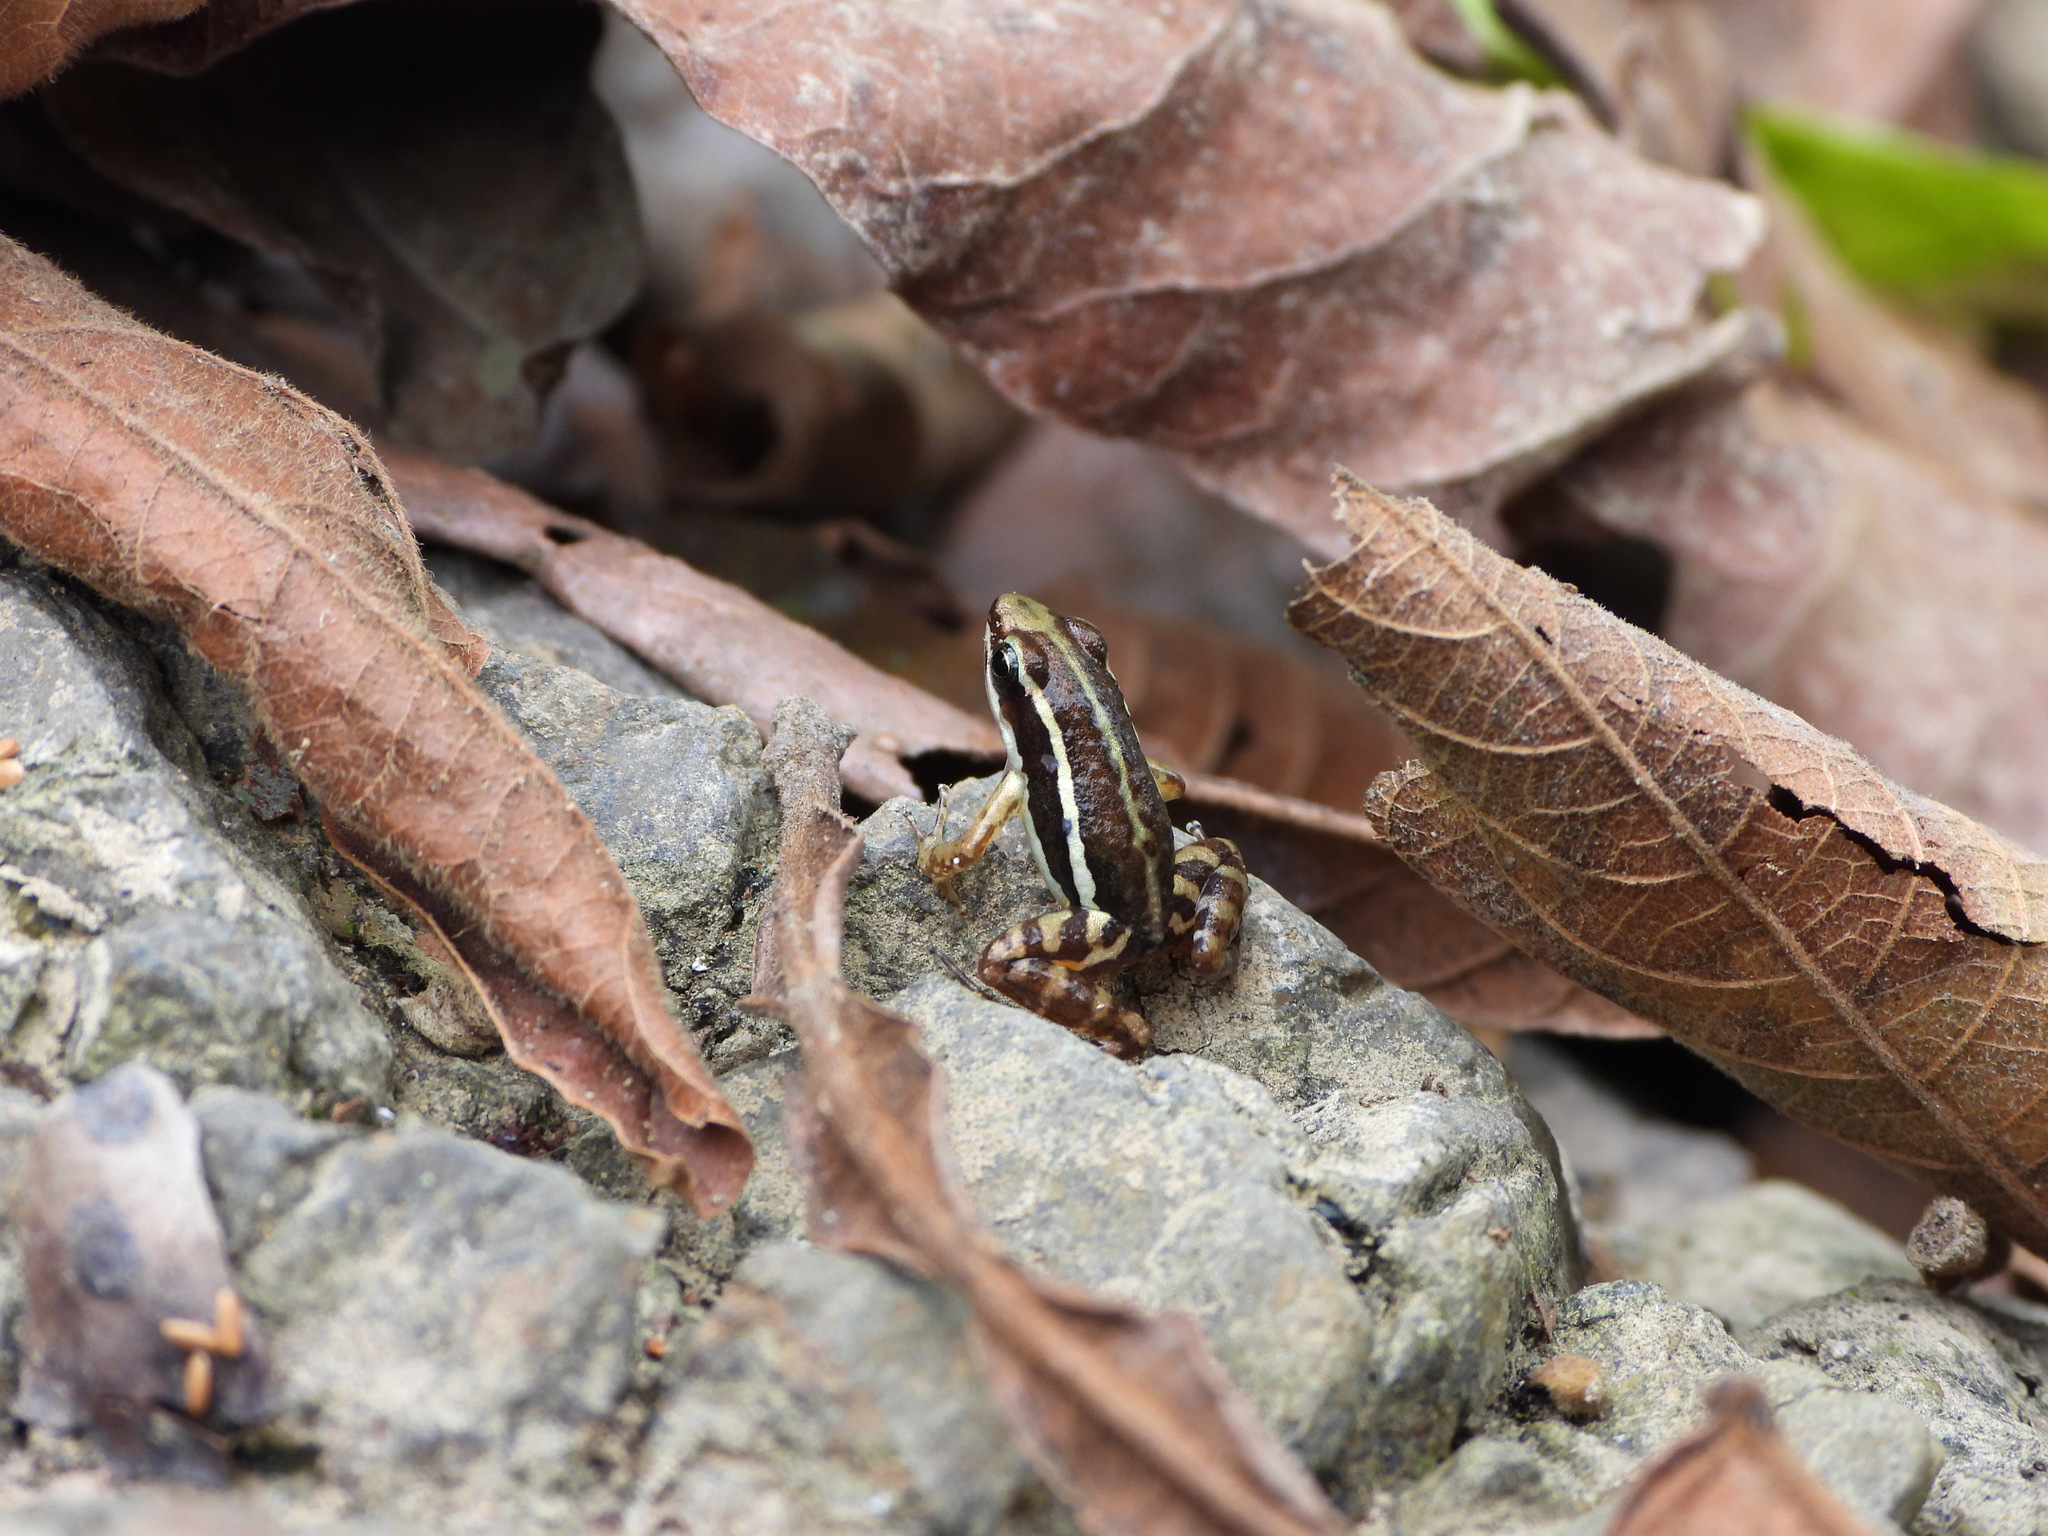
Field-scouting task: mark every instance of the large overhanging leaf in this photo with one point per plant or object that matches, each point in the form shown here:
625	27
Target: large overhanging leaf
1261	234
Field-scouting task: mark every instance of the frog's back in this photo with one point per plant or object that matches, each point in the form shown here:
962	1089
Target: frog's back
1097	817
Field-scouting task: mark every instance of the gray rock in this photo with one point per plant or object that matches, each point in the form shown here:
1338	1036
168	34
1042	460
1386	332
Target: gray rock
143	911
451	1324
1626	1168
677	793
1961	1370
1363	1222
827	1393
1753	1253
1166	1186
20	1115
1876	1456
165	1514
259	1159
1534	1471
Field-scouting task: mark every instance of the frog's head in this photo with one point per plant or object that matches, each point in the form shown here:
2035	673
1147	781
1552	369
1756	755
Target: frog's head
1033	653
1034	630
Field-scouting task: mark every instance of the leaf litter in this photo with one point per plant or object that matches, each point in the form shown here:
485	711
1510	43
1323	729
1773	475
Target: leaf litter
1260	236
721	643
467	209
264	528
1127	1414
1867	960
1860	540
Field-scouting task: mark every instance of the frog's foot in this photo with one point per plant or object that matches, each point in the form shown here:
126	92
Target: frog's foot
1210	888
1042	965
942	859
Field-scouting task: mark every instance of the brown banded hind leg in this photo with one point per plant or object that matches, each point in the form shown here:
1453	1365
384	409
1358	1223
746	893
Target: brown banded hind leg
1045	964
1210	888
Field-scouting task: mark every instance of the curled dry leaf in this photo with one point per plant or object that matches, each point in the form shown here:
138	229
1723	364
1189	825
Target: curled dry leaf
127	1271
852	407
1869	552
1737	1474
39	37
1128	1415
265	529
1865	959
717	641
1263	235
442	171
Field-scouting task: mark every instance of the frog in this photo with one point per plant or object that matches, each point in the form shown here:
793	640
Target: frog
1095	817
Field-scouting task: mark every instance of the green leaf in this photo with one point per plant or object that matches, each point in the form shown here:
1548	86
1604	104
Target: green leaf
1510	57
1917	217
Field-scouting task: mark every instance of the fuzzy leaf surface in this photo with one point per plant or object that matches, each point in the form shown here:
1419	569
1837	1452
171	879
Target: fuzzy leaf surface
1866	959
39	37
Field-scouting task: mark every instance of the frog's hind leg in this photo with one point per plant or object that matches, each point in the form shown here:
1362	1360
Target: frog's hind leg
1210	888
1040	965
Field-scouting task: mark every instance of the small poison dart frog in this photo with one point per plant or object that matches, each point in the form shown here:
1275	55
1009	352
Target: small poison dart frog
1095	813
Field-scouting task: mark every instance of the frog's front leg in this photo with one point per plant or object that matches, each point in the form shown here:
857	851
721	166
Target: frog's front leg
944	860
1048	963
1210	888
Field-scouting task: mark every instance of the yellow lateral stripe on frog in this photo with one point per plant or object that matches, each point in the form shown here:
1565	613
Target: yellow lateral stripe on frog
1070	808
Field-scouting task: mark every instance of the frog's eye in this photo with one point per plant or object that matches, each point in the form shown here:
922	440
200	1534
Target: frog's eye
1003	664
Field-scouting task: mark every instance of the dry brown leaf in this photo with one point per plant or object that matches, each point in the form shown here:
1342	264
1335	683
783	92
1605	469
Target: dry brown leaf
1865	959
1261	235
443	171
39	37
1868	552
847	408
1438	32
1856	58
265	529
126	1270
1127	1414
1737	1475
1660	74
717	641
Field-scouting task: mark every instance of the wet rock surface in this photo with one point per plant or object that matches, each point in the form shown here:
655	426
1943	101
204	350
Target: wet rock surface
481	1320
